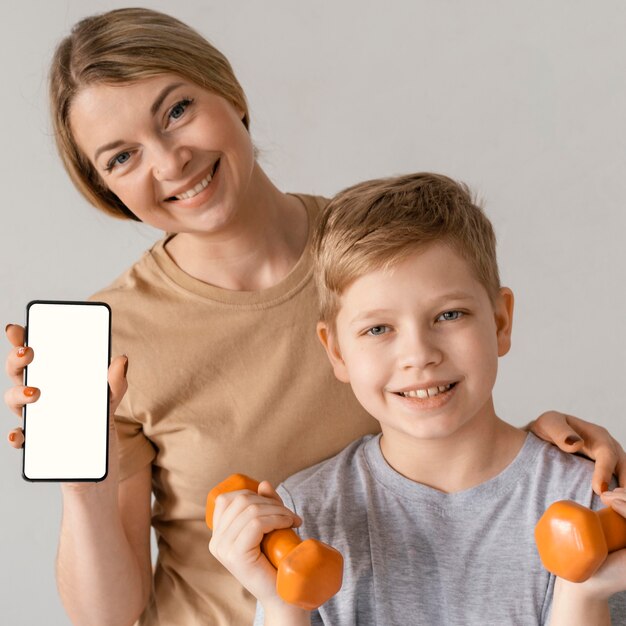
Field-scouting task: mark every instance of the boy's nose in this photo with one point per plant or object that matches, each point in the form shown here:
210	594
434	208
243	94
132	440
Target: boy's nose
420	352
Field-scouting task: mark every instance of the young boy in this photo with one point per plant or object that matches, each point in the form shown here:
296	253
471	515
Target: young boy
435	516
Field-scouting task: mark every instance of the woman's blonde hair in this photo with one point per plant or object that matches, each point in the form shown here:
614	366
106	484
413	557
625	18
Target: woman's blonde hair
378	223
123	46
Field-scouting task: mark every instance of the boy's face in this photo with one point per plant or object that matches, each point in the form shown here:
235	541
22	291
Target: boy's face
419	344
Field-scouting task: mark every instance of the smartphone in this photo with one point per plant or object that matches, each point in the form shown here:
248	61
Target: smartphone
66	432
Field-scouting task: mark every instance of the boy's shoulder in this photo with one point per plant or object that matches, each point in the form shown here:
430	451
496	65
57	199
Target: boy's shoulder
331	477
557	475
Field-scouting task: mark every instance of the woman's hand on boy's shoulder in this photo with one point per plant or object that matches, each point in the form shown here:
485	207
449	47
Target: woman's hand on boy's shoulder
574	435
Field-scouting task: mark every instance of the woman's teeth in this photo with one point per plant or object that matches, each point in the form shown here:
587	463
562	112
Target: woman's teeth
190	193
431	392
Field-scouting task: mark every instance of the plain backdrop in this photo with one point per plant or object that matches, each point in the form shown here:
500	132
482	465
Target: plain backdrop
524	101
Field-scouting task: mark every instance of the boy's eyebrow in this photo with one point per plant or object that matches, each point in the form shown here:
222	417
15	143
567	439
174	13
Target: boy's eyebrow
454	295
153	109
370	313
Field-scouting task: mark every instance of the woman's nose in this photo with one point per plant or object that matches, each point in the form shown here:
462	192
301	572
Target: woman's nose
169	161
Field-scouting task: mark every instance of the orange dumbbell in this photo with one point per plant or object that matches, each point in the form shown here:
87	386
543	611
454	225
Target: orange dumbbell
308	572
573	541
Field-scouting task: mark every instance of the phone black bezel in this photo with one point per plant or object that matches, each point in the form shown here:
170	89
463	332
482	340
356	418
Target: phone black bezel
108	392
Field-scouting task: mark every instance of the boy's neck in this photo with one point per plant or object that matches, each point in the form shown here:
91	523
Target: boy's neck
474	454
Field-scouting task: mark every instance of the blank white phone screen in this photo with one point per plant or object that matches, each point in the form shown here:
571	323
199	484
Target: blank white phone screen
66	430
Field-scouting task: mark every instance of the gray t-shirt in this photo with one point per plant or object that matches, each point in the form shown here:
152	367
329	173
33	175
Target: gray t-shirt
416	556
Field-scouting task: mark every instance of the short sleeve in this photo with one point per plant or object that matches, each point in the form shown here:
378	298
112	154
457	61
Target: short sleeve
134	448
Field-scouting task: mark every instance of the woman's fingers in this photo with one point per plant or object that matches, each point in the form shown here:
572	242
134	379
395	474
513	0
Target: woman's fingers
17	360
594	442
15	334
16	438
18	396
554	427
117	381
616	499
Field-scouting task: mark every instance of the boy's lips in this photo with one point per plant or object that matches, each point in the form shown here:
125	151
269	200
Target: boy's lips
428	390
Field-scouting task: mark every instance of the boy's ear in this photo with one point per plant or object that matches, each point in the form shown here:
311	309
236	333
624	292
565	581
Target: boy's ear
504	319
329	341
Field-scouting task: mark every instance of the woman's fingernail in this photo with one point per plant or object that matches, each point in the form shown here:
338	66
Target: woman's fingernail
572	439
21	351
11	437
30	391
604	487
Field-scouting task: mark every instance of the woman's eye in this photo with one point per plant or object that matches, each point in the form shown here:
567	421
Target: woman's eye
375	331
118	159
179	108
450	316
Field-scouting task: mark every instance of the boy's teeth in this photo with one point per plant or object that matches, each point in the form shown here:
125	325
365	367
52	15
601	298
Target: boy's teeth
190	193
431	392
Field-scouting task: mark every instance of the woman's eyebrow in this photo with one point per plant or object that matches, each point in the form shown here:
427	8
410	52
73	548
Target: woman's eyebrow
153	109
162	95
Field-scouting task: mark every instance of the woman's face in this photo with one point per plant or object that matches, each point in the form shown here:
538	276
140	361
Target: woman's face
178	156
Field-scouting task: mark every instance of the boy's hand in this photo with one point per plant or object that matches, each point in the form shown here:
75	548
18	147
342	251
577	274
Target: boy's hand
240	520
572	434
587	602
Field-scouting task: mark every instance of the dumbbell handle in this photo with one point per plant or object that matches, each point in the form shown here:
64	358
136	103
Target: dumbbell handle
276	544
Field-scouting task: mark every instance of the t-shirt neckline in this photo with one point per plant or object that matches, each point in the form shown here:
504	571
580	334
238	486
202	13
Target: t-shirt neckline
293	282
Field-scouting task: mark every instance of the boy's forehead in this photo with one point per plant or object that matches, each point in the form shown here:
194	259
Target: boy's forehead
434	275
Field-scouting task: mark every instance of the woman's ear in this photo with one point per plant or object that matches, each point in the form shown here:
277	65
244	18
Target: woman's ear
331	345
504	319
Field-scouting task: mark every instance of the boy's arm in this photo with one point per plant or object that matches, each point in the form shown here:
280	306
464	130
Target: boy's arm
572	607
240	521
574	435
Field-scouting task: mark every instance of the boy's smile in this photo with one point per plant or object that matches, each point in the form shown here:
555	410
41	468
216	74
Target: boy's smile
419	343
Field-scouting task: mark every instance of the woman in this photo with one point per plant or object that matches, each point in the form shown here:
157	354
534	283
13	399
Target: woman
217	321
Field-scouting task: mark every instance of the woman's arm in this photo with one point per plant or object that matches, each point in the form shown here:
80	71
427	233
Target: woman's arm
104	572
103	563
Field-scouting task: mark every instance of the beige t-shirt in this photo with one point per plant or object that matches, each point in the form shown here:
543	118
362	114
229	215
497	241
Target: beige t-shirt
219	382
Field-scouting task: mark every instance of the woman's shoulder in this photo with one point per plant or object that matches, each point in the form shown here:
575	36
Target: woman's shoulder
133	281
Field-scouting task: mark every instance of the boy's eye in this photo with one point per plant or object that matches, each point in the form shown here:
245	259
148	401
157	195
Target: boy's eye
377	330
179	108
450	316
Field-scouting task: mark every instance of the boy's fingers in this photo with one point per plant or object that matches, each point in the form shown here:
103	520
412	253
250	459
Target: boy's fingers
266	489
18	396
15	334
16	438
554	427
616	500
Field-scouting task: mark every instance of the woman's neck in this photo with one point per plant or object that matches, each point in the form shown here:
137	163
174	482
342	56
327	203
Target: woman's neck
256	250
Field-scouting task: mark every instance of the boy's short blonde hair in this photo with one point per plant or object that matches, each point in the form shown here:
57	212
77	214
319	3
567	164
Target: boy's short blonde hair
377	223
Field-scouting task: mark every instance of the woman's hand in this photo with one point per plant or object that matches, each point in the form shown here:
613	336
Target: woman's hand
240	520
19	395
574	435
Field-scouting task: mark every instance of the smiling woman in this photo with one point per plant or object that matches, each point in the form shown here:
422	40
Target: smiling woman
217	321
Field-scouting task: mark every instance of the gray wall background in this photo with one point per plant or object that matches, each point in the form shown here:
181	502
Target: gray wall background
525	101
